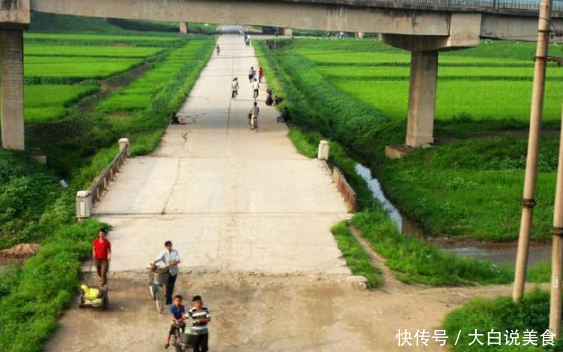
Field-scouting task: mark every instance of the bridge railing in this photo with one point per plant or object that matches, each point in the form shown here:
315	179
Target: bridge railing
85	200
500	5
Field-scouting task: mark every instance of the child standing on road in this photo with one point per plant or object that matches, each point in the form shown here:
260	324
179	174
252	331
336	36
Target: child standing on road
251	74
234	88
255	88
253	117
200	316
178	312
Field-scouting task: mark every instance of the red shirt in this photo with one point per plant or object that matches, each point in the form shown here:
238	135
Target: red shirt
101	249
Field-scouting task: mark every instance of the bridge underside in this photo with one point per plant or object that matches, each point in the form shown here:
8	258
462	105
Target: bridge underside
423	32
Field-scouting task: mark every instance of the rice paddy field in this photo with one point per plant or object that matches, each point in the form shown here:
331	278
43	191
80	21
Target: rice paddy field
59	75
468	186
139	94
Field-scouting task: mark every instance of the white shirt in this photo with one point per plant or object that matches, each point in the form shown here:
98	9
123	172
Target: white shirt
168	257
255	85
234	85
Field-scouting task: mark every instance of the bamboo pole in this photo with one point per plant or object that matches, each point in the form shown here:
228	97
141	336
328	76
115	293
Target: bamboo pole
557	250
528	200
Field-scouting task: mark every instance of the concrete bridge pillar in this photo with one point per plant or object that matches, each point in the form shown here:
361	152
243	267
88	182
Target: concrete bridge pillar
422	98
360	35
184	27
11	56
288	32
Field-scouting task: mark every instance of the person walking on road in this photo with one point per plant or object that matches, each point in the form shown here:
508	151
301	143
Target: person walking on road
101	253
251	74
253	117
234	88
171	258
218	49
255	89
260	74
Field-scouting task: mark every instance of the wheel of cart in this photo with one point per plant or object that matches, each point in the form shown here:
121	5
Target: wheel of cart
103	299
158	277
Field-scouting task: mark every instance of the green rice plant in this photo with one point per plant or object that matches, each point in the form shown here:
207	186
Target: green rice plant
91	50
139	94
100	39
484	99
76	68
51	102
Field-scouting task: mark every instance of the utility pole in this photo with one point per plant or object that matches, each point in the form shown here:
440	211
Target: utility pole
529	201
557	250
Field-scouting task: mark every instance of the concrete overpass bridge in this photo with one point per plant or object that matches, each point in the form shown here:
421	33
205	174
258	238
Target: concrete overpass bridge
424	27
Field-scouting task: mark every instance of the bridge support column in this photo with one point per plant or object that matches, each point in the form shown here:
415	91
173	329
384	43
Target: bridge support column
288	32
11	55
422	98
360	35
184	27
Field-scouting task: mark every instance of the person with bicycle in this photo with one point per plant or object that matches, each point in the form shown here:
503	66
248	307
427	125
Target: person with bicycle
178	312
170	258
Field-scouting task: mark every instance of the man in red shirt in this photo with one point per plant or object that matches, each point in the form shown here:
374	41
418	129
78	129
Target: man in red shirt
101	252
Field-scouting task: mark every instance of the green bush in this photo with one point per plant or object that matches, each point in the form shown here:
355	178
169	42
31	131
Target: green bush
46	285
26	189
500	314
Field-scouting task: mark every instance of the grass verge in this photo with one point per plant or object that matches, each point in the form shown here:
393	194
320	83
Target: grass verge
357	259
501	314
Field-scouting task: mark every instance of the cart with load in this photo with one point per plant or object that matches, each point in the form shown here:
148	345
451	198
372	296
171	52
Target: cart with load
93	296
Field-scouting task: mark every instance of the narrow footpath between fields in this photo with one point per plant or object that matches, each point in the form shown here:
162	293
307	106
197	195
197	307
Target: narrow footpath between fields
251	219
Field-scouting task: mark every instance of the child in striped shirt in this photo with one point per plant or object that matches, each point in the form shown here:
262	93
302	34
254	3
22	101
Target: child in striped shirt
200	317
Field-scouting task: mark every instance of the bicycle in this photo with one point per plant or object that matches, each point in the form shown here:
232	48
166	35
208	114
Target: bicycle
158	277
181	340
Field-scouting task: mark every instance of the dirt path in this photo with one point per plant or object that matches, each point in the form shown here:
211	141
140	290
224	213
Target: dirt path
266	313
251	218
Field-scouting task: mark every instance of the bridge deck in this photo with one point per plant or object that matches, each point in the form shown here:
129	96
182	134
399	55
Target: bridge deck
228	198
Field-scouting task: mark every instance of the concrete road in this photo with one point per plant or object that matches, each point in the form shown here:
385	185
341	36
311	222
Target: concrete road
230	199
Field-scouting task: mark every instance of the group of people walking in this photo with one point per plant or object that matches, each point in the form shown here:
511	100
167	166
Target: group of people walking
169	258
271	99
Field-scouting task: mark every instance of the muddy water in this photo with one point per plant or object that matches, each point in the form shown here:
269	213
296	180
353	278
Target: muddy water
498	253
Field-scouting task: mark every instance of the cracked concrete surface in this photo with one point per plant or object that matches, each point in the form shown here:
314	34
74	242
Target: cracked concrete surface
230	199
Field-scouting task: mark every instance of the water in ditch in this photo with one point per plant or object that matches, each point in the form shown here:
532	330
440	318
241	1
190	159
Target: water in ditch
498	253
